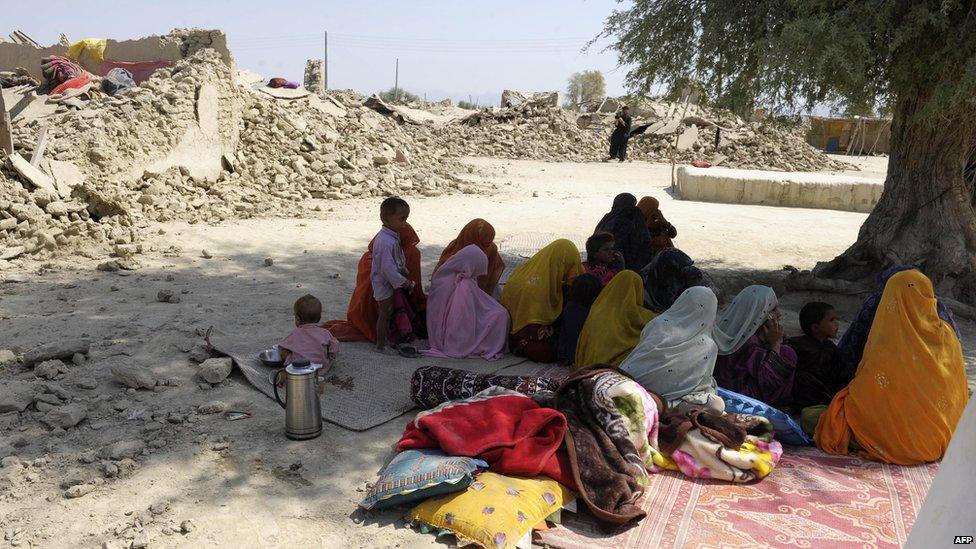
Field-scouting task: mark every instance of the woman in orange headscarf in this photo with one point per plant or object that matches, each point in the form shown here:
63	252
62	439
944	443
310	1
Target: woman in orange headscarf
910	388
361	315
480	233
661	231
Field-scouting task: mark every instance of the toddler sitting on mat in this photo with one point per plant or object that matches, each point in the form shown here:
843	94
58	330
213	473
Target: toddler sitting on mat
309	341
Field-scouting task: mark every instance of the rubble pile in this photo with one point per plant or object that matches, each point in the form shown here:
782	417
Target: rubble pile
525	131
769	145
189	144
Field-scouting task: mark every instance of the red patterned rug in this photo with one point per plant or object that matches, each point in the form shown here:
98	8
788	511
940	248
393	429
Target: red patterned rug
811	500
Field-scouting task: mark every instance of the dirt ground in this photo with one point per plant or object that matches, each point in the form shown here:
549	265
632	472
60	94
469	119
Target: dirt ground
242	483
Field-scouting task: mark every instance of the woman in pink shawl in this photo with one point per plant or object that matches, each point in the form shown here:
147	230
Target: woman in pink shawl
462	320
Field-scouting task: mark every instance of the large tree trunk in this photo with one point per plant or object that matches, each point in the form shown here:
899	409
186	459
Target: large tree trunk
927	213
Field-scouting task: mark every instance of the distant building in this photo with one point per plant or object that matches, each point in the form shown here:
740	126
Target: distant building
856	136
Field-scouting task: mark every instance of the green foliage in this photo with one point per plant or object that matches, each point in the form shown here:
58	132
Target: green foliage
585	88
468	105
399	95
864	55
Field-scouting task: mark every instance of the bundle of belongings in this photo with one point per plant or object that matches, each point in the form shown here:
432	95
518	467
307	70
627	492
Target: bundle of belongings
278	82
492	464
63	78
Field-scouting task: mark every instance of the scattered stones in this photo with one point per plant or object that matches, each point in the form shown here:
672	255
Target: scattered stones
123	449
133	376
215	370
50	369
57	350
167	296
268	262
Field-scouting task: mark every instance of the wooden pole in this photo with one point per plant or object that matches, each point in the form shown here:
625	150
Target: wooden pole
677	135
325	64
39	148
396	81
6	139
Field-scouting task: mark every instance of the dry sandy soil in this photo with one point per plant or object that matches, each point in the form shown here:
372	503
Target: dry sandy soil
242	483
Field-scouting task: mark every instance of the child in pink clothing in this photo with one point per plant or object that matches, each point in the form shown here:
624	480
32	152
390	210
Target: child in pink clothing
309	341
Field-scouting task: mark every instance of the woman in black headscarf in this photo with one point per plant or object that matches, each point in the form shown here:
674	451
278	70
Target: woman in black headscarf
629	229
670	273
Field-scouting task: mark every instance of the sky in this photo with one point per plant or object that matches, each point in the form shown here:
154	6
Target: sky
445	49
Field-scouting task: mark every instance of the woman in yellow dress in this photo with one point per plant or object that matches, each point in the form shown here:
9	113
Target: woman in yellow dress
910	388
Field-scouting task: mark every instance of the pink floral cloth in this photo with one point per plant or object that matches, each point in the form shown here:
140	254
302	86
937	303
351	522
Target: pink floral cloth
462	320
312	343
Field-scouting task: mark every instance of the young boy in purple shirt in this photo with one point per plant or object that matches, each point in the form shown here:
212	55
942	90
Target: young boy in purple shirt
389	270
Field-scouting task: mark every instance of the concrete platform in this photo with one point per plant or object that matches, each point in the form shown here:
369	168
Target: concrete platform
790	189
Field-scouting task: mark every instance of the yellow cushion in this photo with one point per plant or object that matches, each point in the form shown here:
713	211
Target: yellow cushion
495	511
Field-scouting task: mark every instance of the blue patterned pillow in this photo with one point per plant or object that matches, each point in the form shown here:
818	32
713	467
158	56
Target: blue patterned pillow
785	428
414	475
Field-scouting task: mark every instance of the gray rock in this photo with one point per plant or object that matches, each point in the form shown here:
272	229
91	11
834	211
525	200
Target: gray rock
167	296
199	353
87	383
57	350
141	541
16	396
133	376
215	370
8	420
50	369
212	407
55	389
187	526
109	266
78	359
54	400
7	357
75	478
159	507
123	449
65	417
43	407
268	262
78	491
110	470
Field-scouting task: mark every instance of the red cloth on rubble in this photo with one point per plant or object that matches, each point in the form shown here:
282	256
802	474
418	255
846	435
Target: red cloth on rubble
77	82
511	432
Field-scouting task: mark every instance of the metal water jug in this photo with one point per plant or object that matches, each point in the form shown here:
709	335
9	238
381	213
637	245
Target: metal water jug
303	415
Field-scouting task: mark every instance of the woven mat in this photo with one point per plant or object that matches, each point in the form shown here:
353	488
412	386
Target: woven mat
363	389
810	500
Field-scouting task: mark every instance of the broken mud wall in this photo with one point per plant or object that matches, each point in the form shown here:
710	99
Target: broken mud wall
172	47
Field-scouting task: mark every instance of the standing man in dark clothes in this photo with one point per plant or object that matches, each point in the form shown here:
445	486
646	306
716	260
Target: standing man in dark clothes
620	135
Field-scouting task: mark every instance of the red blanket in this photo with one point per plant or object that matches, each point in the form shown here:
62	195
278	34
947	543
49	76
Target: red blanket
512	433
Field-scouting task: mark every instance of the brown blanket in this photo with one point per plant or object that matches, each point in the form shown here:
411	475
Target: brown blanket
607	480
729	430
